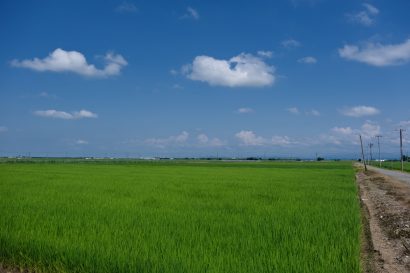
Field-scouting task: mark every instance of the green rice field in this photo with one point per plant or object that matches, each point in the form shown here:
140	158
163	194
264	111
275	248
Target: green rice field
188	216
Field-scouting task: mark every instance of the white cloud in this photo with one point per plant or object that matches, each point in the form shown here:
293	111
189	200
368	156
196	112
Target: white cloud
73	61
360	111
376	54
177	86
244	110
369	130
240	71
313	112
248	138
404	123
293	110
53	114
340	135
191	13
280	141
343	130
84	114
126	7
290	43
172	140
265	54
81	142
216	142
65	115
308	60
181	138
202	138
206	141
371	9
364	17
3	129
173	72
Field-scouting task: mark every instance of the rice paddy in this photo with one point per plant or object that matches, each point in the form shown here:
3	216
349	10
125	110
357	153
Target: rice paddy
189	216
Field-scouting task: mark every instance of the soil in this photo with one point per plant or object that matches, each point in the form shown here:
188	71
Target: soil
386	218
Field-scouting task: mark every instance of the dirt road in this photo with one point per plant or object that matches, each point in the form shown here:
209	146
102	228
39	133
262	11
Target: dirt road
401	176
386	204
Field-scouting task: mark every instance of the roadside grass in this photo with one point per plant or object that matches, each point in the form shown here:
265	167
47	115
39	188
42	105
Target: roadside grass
392	165
180	217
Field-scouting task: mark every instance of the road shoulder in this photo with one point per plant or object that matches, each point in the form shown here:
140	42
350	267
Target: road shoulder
386	211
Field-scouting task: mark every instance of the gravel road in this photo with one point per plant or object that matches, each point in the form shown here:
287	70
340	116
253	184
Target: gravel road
401	176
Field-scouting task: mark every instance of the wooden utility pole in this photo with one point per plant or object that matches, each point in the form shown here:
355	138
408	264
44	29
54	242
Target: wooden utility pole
364	161
378	144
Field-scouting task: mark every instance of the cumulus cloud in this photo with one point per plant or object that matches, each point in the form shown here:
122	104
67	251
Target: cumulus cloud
249	138
65	115
181	138
365	17
244	70
244	110
340	135
293	110
204	140
376	54
171	140
191	13
73	61
360	111
126	7
280	141
3	129
81	142
369	130
308	60
290	43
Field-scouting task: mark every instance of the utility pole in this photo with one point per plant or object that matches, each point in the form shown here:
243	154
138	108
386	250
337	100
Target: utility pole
378	144
364	161
371	154
401	148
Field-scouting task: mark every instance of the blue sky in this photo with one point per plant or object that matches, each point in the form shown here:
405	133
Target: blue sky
203	78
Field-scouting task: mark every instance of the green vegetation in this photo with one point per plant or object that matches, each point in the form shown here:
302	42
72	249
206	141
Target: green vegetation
392	165
180	217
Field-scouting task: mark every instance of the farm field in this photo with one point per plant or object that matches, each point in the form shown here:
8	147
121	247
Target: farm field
189	216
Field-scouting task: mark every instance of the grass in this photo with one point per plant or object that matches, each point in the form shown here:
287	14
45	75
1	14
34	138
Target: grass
180	217
392	165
